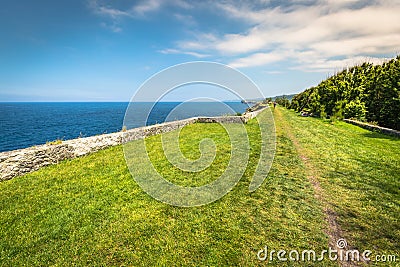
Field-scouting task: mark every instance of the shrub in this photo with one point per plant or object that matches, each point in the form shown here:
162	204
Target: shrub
355	109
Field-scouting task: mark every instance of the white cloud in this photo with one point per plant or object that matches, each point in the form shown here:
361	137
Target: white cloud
145	6
138	10
274	72
314	34
258	59
187	20
175	51
181	3
112	27
380	44
309	33
338	64
201	41
107	11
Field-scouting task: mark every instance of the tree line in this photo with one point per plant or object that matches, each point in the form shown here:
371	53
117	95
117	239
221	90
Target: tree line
365	92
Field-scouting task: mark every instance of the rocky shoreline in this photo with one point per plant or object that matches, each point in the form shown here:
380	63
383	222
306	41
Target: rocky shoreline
18	162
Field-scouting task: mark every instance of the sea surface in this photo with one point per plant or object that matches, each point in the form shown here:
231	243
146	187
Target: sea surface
27	124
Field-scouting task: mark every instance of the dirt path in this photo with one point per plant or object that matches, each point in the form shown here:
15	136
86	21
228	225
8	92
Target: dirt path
333	230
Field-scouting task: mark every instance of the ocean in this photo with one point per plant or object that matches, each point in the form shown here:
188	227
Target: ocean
26	124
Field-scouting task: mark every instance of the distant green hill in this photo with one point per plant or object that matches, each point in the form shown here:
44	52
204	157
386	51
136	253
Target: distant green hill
283	100
273	98
366	92
288	97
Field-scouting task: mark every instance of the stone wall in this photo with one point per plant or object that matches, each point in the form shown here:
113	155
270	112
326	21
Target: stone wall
22	161
374	127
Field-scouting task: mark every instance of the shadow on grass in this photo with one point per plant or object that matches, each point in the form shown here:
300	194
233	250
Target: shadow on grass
376	134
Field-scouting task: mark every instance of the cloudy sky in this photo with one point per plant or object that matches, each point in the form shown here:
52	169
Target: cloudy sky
99	50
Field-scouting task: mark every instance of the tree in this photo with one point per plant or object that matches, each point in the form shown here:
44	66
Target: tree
364	92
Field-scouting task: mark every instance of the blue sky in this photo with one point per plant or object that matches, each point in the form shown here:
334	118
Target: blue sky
94	50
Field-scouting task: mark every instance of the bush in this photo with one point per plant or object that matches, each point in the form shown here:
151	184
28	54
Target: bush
355	109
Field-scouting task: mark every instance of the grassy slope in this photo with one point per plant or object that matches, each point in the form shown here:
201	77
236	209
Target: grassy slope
90	210
359	172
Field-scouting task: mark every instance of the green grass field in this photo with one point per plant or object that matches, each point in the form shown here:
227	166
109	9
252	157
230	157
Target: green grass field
90	211
359	172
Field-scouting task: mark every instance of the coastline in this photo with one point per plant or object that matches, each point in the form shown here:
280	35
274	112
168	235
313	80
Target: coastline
21	161
36	123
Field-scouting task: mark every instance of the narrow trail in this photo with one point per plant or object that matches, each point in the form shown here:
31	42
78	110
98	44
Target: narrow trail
334	231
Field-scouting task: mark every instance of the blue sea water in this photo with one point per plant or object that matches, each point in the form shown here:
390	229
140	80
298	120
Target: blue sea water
27	124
